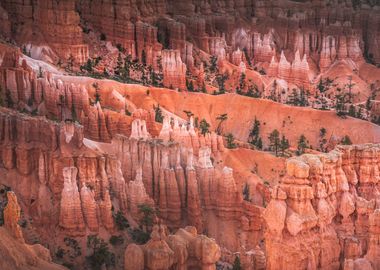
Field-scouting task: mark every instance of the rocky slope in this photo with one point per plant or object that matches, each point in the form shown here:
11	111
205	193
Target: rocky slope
133	126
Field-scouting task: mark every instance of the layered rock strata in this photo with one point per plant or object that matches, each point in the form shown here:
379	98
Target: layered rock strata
325	209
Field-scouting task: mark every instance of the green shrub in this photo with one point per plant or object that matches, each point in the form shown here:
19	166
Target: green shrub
121	222
116	240
100	253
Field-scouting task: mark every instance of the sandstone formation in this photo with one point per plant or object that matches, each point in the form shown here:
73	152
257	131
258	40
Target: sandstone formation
112	108
53	23
15	253
183	250
324	209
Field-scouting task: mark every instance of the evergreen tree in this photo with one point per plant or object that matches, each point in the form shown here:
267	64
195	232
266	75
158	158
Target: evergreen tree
143	57
273	91
204	90
221	79
368	104
221	118
359	114
119	66
303	99
40	73
70	63
274	141
204	126
230	141
246	192
320	86
237	264
8	99
159	118
349	86
213	62
190	86
340	106
254	135
127	67
159	63
189	114
346	140
74	113
303	144
284	145
293	97
352	111
322	140
253	91
242	81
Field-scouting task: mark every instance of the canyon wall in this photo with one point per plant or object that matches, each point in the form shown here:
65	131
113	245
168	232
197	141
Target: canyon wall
323	214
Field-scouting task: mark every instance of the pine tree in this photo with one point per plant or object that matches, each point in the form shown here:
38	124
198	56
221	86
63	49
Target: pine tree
189	114
303	98
274	141
221	118
143	57
159	118
204	90
8	99
204	126
254	135
340	106
213	62
322	140
273	91
119	66
127	67
346	140
221	79
359	114
302	145
230	141
368	104
246	192
284	145
74	113
190	86
242	81
293	98
352	111
237	264
350	85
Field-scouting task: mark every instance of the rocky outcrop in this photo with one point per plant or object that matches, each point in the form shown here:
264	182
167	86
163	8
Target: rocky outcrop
52	23
183	250
324	207
71	216
297	73
174	70
12	214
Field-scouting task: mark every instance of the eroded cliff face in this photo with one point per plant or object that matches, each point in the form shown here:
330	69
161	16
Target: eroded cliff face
78	152
183	250
323	214
296	40
15	253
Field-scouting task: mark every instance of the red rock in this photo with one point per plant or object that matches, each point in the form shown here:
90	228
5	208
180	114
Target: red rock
174	70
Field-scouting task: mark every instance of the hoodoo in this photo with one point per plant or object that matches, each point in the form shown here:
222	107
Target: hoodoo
175	135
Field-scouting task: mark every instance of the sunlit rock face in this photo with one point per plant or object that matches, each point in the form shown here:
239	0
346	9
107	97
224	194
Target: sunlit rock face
127	119
327	204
